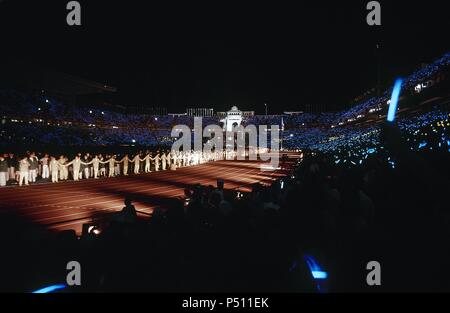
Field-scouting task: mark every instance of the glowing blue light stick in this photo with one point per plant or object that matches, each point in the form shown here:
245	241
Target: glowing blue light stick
394	100
315	269
50	288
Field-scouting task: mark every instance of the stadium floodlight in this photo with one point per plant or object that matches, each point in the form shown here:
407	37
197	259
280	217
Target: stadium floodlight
394	100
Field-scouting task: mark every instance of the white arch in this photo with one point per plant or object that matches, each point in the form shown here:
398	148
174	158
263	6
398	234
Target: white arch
234	116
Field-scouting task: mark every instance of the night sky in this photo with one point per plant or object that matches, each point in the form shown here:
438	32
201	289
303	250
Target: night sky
218	54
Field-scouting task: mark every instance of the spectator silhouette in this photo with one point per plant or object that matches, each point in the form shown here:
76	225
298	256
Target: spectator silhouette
128	213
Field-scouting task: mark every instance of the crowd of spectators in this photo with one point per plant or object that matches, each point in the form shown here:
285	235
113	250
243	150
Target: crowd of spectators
37	118
374	104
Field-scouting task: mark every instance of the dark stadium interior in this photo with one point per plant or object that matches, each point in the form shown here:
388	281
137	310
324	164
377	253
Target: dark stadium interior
89	172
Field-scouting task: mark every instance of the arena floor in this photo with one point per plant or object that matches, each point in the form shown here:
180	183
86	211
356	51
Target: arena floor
69	205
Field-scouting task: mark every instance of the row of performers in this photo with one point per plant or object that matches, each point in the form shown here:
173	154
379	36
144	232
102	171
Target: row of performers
26	170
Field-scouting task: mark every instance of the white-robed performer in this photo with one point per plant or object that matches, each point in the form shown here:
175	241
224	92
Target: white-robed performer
86	167
173	166
157	159
188	158
136	161
204	157
63	171
192	158
45	169
116	167
95	166
33	169
54	169
169	159
104	168
111	164
197	156
125	160
147	159
3	170
24	165
185	159
163	161
179	159
90	166
101	166
76	165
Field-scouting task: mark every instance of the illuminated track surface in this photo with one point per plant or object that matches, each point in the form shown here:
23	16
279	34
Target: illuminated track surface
69	205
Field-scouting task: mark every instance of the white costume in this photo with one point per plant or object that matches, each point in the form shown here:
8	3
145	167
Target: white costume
24	165
45	168
163	160
3	171
76	164
179	159
112	162
86	169
125	160
147	159
95	164
33	169
63	172
157	159
169	160
173	166
54	167
136	161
